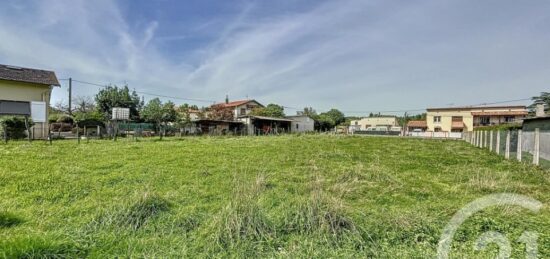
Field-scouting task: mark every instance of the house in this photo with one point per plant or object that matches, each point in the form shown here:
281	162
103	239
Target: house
32	88
240	108
464	119
301	123
417	126
381	123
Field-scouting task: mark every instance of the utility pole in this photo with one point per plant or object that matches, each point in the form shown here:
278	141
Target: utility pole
70	95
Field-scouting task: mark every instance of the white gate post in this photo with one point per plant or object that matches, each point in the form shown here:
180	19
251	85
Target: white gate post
497	146
507	152
537	147
520	133
491	140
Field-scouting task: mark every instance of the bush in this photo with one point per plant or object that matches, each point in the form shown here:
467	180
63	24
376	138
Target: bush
65	119
15	127
53	117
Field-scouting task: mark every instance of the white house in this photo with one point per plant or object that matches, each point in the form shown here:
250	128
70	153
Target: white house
301	123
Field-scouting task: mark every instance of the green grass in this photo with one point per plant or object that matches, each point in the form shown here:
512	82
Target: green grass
288	196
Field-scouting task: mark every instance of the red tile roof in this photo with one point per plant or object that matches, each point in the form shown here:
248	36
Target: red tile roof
235	103
417	124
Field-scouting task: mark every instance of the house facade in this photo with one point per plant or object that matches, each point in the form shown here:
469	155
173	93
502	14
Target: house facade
301	123
465	119
240	108
32	86
380	123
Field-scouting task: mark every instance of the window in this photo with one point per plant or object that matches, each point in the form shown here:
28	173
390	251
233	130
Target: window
243	111
437	119
509	119
457	118
297	126
484	120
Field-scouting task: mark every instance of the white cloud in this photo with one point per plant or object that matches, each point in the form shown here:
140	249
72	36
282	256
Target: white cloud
354	55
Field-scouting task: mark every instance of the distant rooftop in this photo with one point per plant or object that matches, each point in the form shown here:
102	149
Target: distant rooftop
28	75
236	103
479	107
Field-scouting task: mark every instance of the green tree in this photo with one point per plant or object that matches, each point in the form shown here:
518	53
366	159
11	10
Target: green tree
330	119
544	97
113	96
160	114
271	110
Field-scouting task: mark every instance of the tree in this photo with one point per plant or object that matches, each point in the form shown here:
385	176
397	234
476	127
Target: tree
271	110
220	112
113	96
159	114
544	98
183	117
330	119
83	104
308	111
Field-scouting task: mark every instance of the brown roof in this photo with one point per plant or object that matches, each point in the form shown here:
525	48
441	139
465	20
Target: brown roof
28	75
236	103
417	124
477	107
503	113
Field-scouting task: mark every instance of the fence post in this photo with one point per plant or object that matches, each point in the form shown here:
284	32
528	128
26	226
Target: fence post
507	152
536	152
497	146
481	139
484	138
491	140
518	155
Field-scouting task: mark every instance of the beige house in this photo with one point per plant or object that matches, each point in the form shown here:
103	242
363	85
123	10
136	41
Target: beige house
374	122
31	87
241	108
463	119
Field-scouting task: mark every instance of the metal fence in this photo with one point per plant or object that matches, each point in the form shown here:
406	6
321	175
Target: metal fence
527	146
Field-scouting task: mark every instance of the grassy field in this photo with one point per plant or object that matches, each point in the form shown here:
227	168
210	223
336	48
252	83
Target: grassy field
289	196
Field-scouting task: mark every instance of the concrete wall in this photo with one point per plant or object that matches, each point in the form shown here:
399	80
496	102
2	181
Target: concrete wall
302	124
28	92
364	123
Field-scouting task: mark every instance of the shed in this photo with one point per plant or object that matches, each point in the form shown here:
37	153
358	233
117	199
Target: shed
542	123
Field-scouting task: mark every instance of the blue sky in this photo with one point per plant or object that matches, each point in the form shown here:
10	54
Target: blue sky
358	56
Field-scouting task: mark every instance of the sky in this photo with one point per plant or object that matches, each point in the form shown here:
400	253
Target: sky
359	56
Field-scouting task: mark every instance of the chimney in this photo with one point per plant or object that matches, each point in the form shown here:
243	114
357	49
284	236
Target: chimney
539	110
226	99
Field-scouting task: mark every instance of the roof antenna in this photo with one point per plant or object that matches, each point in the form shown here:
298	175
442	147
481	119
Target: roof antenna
226	99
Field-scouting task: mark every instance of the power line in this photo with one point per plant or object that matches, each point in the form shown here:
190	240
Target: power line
151	94
294	108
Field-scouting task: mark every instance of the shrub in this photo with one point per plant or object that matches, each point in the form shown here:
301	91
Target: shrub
65	119
15	127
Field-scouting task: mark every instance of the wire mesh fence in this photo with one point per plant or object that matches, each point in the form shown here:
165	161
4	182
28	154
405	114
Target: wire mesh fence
527	146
